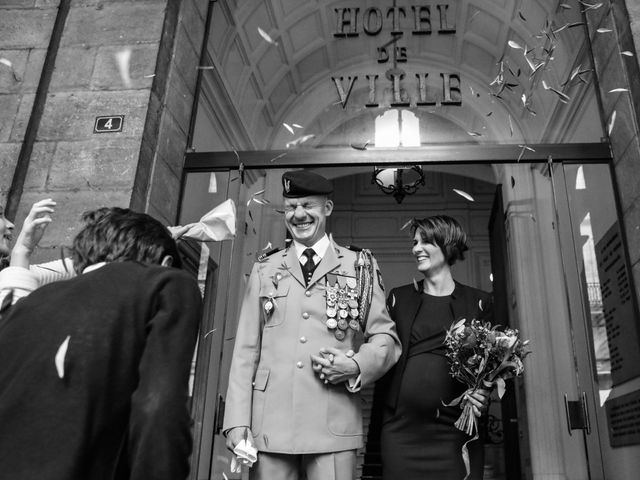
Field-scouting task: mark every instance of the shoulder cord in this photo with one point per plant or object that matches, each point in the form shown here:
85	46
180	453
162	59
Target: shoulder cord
364	271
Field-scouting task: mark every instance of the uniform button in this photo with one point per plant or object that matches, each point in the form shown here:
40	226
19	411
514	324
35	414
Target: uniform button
307	293
303	339
305	315
271	294
299	365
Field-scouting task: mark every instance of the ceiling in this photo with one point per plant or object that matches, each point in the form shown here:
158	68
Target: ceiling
271	62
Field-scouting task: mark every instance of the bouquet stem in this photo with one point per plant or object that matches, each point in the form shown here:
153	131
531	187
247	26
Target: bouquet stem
467	422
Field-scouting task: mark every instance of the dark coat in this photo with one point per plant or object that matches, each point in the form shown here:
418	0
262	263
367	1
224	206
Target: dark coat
403	304
120	409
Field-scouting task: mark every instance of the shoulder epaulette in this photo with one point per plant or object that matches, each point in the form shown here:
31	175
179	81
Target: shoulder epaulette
263	256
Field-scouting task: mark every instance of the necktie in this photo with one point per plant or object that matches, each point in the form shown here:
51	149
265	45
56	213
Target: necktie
309	266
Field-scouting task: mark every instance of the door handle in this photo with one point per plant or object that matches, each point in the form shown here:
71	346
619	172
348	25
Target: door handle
577	413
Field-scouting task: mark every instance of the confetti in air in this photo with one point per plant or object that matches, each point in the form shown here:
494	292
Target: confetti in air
266	37
464	194
611	123
288	127
123	59
616	90
60	356
409	222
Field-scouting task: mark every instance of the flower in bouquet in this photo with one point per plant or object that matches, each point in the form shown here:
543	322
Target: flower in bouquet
480	356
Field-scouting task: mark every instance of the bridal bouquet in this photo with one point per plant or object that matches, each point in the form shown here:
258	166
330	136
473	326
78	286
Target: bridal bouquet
480	356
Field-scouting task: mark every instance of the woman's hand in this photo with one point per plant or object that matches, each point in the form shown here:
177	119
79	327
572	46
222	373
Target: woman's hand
32	230
478	399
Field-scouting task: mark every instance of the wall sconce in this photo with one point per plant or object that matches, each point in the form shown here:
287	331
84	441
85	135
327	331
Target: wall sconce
399	181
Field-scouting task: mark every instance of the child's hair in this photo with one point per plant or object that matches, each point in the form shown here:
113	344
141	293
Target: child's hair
118	235
445	232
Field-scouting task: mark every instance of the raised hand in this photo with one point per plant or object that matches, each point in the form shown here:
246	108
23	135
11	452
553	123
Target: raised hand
32	231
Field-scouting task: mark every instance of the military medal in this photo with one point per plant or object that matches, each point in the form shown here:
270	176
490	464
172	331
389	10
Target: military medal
268	306
342	305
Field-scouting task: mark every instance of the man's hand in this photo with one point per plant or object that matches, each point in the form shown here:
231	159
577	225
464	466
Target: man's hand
479	400
333	366
236	435
32	230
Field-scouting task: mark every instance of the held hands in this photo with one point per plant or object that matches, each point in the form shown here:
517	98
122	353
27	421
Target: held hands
478	399
334	366
32	230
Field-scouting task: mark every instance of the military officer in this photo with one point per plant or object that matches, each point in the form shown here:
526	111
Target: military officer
313	329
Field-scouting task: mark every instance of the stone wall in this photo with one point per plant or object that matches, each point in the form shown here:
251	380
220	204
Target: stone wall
138	167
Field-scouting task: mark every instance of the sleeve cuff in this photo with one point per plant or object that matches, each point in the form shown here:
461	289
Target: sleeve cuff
20	279
354	384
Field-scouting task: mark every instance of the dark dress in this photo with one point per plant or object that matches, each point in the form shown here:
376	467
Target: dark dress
418	439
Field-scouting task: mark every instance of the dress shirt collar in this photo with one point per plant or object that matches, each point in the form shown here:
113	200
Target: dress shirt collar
320	247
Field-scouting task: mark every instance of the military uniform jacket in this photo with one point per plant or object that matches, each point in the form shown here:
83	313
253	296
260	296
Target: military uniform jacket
272	386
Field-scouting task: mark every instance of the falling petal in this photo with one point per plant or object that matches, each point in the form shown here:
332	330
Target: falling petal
277	157
480	305
489	114
409	222
267	246
415	285
299	141
259	192
288	127
515	45
527	148
615	90
260	201
205	67
296	125
544	85
474	134
604	30
464	194
360	146
6	62
266	36
213	184
627	53
611	122
151	75
510	126
575	24
393	299
524	99
565	6
60	356
123	59
563	98
522	16
209	333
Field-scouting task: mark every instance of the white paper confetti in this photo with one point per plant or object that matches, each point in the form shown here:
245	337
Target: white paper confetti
123	59
515	45
213	183
6	62
60	356
266	37
615	90
288	127
611	123
464	194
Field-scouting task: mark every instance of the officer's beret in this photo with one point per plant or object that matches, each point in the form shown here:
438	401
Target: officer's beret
302	183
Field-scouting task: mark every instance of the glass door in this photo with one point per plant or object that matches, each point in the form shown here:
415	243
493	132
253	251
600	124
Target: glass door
604	320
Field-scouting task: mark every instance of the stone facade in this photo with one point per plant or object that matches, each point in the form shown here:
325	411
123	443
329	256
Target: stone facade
48	125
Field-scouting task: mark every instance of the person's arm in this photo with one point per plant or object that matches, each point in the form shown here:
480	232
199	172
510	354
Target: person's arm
159	428
31	233
246	353
381	349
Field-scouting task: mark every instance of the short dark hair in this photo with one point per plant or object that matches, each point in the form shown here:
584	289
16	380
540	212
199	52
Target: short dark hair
445	232
119	235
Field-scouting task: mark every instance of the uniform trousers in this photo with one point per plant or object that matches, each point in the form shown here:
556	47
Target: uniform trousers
321	466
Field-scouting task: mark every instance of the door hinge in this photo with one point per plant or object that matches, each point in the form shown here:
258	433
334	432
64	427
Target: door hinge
577	414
